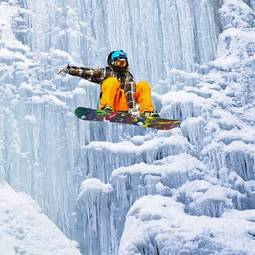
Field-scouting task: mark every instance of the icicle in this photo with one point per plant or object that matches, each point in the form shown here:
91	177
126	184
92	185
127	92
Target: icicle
94	217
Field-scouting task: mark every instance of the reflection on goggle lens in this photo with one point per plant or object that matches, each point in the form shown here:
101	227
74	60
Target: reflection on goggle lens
120	62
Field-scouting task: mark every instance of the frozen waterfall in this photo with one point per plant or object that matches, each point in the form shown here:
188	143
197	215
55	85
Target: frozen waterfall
126	190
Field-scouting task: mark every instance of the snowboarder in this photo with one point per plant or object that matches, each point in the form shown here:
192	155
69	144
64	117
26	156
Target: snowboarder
119	92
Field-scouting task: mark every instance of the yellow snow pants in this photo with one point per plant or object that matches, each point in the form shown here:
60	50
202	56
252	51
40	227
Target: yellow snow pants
114	96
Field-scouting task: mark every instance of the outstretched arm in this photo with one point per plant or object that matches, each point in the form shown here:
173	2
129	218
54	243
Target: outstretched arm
96	75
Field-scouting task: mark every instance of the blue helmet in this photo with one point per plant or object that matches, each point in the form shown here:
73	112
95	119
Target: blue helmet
114	56
118	54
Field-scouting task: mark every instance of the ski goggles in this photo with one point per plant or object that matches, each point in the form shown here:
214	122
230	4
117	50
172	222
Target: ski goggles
122	62
119	54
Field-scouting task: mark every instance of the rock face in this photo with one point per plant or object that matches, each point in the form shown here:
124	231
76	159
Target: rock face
114	188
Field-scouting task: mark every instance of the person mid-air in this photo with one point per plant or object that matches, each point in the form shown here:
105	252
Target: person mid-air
119	91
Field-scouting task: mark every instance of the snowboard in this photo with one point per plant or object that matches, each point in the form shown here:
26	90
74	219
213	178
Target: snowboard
126	118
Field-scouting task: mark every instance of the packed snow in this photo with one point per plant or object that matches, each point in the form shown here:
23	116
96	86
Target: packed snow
26	230
158	225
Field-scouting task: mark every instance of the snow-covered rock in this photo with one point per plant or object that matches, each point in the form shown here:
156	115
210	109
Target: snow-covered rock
157	224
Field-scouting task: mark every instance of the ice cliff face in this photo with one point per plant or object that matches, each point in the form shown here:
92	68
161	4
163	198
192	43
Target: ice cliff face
156	34
148	187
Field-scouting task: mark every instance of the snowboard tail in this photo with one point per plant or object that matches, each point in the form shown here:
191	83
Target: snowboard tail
125	118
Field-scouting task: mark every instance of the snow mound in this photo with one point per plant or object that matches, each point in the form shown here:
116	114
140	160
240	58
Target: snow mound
93	186
145	230
26	230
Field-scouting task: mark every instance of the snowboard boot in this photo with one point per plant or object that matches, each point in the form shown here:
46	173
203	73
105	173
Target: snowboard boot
152	114
107	109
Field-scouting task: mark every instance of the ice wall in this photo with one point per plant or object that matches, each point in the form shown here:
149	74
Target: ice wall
47	153
156	34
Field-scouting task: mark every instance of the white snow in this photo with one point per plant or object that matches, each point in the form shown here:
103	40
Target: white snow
93	186
159	223
147	145
26	230
169	165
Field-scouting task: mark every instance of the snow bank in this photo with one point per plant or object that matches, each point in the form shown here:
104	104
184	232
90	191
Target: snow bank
146	232
26	230
109	156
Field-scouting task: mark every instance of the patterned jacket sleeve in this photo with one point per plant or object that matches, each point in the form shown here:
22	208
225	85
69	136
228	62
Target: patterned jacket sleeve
96	75
130	90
